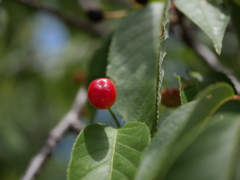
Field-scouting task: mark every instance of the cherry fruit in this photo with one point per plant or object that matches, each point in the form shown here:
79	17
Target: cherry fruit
171	97
102	93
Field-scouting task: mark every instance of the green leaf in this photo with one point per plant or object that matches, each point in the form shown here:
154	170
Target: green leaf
162	54
176	125
237	2
195	82
182	93
133	64
210	19
103	152
218	89
209	154
230	106
97	67
153	158
210	99
215	2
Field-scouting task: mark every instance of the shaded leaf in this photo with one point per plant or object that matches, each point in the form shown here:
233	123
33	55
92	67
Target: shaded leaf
237	2
133	65
177	125
230	106
210	19
153	158
210	99
103	152
235	16
209	154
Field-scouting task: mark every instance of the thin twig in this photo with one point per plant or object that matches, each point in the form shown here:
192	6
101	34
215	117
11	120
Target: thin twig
70	121
76	22
205	53
115	14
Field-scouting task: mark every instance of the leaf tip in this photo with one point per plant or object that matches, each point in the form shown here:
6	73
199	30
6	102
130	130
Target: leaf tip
218	52
218	49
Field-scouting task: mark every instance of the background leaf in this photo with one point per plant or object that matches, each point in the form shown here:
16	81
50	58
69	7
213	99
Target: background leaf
107	153
133	65
97	67
210	19
237	2
176	125
235	16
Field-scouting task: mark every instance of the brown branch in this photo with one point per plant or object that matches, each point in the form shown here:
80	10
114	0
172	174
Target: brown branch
70	121
75	22
115	14
205	53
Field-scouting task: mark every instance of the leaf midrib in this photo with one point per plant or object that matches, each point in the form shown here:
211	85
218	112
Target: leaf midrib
114	147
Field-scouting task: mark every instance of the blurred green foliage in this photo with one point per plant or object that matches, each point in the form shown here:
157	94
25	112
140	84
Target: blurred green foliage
39	56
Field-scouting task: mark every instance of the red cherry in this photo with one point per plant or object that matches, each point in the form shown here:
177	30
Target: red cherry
171	97
102	93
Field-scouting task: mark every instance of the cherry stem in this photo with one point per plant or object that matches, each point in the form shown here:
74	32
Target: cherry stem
114	117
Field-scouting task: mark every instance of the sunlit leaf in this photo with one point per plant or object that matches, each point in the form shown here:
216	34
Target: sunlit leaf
212	20
133	65
102	152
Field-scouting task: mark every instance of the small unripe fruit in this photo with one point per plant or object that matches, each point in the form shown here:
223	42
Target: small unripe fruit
79	76
95	15
142	1
102	93
171	97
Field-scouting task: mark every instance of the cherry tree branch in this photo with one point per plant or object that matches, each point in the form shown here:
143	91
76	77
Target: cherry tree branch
75	22
205	53
70	121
